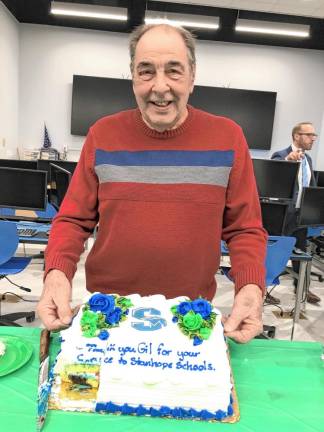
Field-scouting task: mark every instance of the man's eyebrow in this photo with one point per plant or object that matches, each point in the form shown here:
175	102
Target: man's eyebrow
175	63
171	63
144	64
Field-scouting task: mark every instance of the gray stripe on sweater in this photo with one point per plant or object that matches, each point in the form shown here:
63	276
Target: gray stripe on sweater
217	176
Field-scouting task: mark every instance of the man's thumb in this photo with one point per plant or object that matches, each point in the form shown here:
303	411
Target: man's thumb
232	322
64	312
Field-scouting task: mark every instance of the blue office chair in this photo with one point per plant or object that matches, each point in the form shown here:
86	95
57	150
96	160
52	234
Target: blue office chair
9	265
279	250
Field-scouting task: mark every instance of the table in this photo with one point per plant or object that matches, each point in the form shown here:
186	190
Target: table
280	386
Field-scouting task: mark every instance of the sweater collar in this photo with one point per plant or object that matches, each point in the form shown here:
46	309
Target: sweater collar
168	133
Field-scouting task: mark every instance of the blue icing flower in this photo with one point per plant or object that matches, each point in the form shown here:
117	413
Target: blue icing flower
197	341
231	399
102	303
103	335
184	307
230	410
114	317
165	411
220	415
140	410
101	406
175	319
202	306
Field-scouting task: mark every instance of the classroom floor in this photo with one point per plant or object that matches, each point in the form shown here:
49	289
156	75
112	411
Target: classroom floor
309	328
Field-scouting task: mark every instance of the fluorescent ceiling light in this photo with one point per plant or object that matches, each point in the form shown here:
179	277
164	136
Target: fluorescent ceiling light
89	11
184	20
272	28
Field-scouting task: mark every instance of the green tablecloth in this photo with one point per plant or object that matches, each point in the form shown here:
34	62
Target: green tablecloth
280	387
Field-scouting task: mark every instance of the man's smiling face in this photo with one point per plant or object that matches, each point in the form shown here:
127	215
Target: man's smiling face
162	78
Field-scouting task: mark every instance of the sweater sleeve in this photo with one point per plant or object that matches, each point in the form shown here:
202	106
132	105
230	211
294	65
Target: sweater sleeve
77	216
242	222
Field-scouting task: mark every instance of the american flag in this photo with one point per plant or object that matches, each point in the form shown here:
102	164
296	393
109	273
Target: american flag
47	141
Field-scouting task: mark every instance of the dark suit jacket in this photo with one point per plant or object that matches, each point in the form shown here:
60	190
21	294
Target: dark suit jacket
291	219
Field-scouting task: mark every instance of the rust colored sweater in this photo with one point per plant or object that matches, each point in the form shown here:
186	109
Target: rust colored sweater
162	202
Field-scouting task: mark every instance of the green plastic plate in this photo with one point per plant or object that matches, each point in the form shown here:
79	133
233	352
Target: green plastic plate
18	352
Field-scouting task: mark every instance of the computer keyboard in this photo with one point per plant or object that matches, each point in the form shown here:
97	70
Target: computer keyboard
26	232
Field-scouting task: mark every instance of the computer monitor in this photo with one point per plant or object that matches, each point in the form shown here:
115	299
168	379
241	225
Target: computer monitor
23	188
274	217
320	178
275	179
17	163
44	165
312	207
60	182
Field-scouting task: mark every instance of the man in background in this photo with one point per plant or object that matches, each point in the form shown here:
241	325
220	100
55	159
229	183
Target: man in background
303	137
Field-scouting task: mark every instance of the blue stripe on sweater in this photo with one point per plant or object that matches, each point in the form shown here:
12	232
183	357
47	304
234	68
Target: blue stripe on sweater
208	158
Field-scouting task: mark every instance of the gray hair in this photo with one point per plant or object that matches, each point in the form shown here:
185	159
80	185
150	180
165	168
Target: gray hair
188	39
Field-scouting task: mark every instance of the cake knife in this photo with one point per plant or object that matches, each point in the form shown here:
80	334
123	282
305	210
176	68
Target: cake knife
43	381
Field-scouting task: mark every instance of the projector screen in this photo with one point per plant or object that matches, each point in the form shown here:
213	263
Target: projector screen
95	97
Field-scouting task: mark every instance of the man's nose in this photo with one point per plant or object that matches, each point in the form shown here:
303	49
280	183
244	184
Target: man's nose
160	84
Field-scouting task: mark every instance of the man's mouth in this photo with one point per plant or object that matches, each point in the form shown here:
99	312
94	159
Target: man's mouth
161	104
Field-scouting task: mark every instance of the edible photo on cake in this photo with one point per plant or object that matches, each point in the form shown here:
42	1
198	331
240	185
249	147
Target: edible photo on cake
145	356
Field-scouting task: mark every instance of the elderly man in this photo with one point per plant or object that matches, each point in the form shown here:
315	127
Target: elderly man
303	137
164	182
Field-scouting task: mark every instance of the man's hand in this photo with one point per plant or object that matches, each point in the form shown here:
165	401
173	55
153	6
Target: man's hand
297	155
245	321
54	306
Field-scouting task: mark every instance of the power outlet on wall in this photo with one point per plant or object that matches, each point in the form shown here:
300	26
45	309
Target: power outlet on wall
3	142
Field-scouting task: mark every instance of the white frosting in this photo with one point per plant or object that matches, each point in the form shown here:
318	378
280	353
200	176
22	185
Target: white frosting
2	348
166	380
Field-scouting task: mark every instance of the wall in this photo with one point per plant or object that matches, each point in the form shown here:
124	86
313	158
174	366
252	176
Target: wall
51	55
9	66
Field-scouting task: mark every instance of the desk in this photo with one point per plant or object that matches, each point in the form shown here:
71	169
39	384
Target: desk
279	386
40	238
29	215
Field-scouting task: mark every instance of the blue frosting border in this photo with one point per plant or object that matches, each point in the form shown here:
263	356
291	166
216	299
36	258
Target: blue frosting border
165	411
